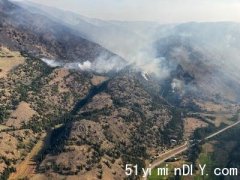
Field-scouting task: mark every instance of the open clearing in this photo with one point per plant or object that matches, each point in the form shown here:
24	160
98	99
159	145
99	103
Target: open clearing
9	60
26	168
22	114
2	127
191	124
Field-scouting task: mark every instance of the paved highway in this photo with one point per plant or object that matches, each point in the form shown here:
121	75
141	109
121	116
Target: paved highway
180	149
222	130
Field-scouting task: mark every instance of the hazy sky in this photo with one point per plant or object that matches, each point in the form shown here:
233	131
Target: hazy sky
165	11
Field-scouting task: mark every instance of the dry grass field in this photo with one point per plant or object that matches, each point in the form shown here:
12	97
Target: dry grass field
9	60
22	114
191	124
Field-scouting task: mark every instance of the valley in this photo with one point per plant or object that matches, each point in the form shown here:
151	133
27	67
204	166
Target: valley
43	89
206	143
98	96
82	97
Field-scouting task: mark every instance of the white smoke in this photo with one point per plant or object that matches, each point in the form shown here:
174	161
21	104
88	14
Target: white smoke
177	85
144	75
105	64
131	41
52	63
148	63
102	64
85	65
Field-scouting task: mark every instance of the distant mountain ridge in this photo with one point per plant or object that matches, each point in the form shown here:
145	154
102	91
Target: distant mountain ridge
207	51
37	34
119	37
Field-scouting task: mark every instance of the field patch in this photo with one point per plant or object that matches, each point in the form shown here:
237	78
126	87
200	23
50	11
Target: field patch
9	60
22	114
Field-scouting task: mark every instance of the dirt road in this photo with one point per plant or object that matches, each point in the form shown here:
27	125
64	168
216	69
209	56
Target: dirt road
27	167
178	150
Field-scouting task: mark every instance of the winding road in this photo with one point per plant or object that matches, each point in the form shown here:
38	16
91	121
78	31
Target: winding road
180	149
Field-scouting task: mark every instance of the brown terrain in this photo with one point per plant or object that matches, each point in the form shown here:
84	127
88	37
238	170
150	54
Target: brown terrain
8	60
191	124
42	37
98	136
21	115
59	123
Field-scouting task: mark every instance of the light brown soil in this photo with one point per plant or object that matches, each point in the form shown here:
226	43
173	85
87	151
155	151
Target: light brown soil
59	75
26	168
2	127
96	80
8	146
9	60
190	124
22	114
214	107
100	101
